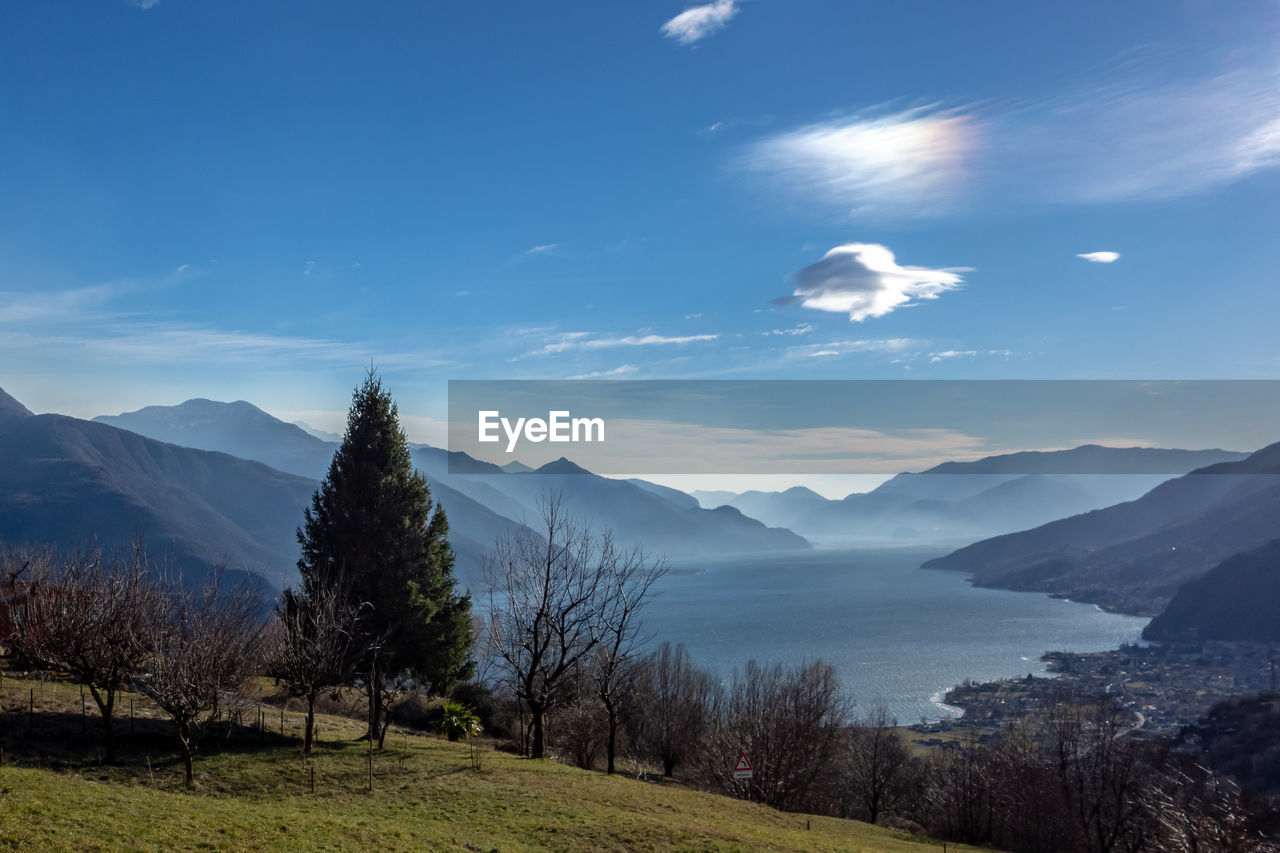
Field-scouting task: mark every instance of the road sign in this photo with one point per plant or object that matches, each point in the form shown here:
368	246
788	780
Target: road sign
742	767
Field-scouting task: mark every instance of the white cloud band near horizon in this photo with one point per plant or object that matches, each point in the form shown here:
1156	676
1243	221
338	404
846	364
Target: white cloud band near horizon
1100	257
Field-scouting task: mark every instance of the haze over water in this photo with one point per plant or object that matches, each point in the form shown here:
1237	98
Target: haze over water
894	632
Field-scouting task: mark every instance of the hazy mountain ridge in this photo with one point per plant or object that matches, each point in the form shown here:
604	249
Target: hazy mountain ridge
1134	556
481	499
973	500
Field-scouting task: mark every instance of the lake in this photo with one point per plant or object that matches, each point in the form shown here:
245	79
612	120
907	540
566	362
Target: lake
895	633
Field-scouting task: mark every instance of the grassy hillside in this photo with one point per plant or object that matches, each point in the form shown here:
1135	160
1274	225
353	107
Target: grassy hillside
255	794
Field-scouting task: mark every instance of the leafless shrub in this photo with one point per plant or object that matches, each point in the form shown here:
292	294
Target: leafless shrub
319	645
673	703
873	767
86	615
200	645
788	722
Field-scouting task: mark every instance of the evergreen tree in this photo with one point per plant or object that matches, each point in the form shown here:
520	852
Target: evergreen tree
371	529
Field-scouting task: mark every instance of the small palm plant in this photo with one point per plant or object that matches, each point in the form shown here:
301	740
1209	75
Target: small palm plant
460	721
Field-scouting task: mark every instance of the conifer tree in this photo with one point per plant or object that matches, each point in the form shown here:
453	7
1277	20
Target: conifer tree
371	529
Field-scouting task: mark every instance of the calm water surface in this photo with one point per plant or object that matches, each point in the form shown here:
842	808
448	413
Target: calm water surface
895	633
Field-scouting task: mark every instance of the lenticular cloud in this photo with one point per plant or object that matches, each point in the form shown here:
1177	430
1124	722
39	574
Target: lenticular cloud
864	280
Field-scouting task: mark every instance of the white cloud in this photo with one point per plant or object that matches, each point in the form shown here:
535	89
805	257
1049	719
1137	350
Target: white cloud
622	370
864	280
693	316
543	249
909	162
583	341
1100	257
144	4
802	329
837	348
947	355
698	22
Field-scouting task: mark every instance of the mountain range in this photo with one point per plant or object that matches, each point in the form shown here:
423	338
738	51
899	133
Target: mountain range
211	484
481	499
963	501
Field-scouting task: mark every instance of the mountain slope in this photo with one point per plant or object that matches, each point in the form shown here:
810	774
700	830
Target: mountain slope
10	407
239	428
1135	555
65	481
1239	599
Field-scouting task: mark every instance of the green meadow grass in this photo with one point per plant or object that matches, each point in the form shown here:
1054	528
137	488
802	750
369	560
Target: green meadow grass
254	793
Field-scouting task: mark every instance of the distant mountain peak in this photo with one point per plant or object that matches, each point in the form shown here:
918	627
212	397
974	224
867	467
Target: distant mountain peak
562	466
10	406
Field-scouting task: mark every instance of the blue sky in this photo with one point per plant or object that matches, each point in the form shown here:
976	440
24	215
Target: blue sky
255	199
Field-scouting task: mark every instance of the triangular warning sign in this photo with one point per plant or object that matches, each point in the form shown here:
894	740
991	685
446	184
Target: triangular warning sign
743	763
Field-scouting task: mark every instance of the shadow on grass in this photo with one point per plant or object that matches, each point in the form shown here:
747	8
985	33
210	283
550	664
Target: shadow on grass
70	740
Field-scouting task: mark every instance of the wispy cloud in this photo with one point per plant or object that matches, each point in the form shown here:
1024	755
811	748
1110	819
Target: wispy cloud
864	280
1100	257
802	329
144	4
621	370
913	161
91	301
1142	134
830	349
140	343
568	341
698	22
543	249
948	355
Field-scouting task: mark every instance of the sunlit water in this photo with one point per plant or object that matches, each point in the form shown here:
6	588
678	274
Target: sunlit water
895	633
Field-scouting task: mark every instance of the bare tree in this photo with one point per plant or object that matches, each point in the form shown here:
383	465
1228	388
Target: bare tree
626	589
873	765
675	699
1098	769
85	616
788	723
201	645
544	602
319	646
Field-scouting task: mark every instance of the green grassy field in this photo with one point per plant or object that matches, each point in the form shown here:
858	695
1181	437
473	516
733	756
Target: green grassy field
255	794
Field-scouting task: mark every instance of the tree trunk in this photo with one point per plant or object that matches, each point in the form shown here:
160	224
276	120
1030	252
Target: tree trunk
611	748
311	724
106	702
375	703
668	765
184	738
538	748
